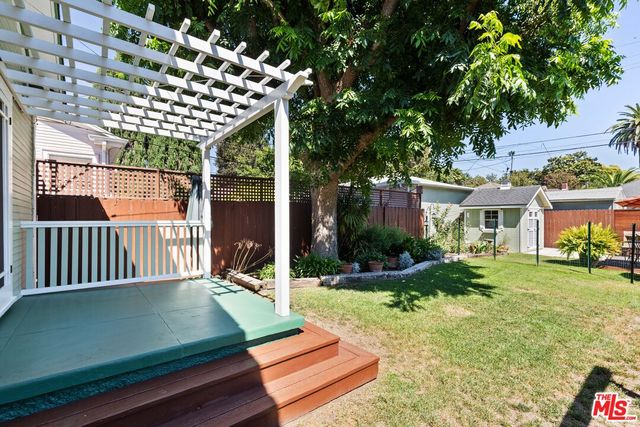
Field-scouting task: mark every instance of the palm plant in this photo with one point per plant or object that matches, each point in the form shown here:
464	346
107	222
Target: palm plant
626	131
616	178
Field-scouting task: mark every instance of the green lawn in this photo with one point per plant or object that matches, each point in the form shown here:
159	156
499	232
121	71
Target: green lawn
484	342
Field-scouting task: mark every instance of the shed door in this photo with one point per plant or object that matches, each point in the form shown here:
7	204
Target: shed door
534	215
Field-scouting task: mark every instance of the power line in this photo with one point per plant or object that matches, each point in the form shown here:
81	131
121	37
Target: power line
540	152
518	144
501	154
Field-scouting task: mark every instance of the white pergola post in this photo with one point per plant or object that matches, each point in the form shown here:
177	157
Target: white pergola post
206	211
282	252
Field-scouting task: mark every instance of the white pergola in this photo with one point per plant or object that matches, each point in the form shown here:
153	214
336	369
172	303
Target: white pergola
65	71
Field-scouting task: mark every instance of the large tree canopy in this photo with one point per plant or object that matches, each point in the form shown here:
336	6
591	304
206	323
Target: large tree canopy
396	80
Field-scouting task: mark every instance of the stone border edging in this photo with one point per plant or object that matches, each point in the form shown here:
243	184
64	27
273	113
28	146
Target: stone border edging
340	279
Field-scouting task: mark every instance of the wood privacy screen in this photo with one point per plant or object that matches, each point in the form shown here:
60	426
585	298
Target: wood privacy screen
556	221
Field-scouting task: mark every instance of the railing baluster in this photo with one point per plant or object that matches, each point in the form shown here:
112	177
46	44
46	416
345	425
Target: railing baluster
112	253
145	250
167	248
153	248
121	261
129	252
174	265
103	253
74	255
29	282
94	254
64	256
161	257
53	258
85	255
137	257
41	257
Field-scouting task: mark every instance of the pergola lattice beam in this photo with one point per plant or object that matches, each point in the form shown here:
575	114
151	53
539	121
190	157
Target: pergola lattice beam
110	124
259	109
29	93
123	46
106	63
190	42
129	100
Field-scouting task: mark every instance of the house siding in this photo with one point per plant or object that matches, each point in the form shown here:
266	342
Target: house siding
63	140
22	200
437	200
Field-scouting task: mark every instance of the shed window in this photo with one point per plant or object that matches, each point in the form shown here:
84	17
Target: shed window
491	217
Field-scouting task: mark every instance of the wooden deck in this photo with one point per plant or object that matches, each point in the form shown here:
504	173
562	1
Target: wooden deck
52	341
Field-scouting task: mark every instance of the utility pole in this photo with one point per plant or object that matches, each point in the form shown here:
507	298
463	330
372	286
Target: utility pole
511	154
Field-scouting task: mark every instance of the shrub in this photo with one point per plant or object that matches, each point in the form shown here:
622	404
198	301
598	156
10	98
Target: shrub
480	247
384	240
574	240
313	265
405	261
353	212
446	228
422	249
268	272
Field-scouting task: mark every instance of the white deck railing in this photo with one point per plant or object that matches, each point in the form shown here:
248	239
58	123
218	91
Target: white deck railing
66	255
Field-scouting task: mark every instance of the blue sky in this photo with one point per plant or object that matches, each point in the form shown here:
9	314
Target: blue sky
596	112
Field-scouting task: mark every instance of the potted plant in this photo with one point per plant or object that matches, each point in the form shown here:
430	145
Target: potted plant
346	267
376	262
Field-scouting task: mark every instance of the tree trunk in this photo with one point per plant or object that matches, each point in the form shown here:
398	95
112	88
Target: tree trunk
324	219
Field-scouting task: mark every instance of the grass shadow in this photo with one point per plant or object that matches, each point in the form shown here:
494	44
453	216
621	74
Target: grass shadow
454	279
579	413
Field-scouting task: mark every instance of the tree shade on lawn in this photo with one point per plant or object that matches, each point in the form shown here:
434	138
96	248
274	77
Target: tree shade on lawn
395	80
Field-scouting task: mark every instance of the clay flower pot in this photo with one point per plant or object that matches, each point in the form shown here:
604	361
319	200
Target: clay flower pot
376	266
392	262
346	268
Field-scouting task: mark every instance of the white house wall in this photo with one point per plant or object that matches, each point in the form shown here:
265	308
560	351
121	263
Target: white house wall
22	200
55	140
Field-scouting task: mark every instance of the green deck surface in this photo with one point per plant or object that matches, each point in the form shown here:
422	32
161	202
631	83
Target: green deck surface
53	341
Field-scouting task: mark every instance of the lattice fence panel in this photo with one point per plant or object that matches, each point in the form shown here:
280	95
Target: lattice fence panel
111	182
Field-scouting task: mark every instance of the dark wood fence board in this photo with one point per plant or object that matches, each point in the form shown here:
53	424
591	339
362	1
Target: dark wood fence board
556	221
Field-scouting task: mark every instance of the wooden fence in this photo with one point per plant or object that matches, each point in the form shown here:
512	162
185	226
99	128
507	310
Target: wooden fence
242	207
556	221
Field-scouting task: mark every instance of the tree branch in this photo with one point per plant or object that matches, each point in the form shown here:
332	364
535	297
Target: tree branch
274	10
470	10
350	74
364	142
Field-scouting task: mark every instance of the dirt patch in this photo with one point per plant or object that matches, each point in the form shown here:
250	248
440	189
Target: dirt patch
457	311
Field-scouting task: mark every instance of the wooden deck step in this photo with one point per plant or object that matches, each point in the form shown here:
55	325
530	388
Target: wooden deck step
270	384
289	397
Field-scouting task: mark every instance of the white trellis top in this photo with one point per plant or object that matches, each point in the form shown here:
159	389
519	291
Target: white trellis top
203	99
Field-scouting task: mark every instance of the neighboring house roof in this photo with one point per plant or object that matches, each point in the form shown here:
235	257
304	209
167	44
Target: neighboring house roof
422	182
591	194
499	197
